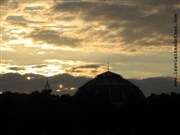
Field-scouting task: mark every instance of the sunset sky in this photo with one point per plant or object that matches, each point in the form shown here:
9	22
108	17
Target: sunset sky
76	37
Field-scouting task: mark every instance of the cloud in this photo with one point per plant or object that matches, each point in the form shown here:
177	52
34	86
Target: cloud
34	8
15	18
87	66
86	70
130	21
40	66
122	26
51	67
53	37
3	2
20	20
17	68
5	61
139	34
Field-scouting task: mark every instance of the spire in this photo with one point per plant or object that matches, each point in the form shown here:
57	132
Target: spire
47	86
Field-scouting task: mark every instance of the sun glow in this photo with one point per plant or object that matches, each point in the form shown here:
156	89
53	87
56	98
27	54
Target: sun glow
58	90
28	78
72	88
28	42
61	86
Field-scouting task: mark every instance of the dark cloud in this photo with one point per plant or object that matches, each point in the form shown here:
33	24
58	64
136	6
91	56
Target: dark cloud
39	66
34	8
20	20
139	21
68	18
73	7
62	27
15	18
88	66
53	37
91	66
82	69
16	68
3	2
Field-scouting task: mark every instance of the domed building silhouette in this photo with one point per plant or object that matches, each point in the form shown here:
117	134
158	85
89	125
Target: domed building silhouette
113	86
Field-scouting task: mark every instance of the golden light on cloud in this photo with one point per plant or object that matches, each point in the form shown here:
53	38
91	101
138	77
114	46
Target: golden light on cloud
28	42
20	41
50	70
41	53
6	48
68	38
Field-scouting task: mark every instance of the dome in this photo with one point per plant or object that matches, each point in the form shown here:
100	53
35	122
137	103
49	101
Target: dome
113	86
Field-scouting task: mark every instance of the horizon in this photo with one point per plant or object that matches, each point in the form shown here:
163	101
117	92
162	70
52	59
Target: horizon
68	84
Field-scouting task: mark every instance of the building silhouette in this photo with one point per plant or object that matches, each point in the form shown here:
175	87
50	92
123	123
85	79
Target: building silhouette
113	86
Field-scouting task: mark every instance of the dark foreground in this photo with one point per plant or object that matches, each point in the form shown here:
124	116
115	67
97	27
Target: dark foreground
45	114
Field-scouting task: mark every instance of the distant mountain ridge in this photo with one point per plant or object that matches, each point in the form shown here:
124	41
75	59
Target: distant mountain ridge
19	83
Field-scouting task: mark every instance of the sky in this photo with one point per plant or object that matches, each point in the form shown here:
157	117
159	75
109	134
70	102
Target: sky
75	38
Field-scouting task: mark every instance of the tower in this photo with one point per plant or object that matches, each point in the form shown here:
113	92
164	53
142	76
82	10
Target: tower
47	90
47	86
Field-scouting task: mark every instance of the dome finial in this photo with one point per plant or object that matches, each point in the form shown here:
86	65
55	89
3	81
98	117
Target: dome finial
108	64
